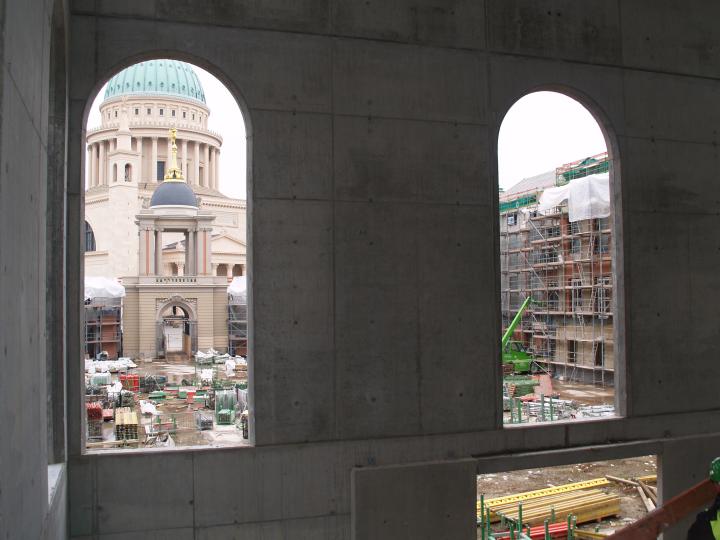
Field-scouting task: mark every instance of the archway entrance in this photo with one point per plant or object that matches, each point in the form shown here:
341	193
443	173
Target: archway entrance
176	332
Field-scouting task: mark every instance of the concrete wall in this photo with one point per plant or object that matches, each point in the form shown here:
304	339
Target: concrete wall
372	241
31	313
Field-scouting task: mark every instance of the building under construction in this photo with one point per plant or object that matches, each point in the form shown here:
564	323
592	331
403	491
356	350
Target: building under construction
565	266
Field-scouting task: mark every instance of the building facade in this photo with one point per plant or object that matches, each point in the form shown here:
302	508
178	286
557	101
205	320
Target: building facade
128	155
566	268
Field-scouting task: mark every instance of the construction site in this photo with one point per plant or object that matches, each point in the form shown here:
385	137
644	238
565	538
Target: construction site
557	294
172	399
578	501
463	320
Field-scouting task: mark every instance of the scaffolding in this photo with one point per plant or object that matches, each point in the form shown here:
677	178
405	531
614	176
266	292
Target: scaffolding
566	267
103	327
237	317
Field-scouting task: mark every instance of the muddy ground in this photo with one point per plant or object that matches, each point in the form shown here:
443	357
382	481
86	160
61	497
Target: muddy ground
631	506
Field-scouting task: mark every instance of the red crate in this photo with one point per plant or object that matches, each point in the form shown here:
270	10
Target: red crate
130	382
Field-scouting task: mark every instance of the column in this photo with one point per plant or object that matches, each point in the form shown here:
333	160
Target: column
229	271
95	168
216	169
153	165
181	269
185	160
147	252
192	255
138	147
205	252
90	165
199	246
206	173
102	177
168	154
186	234
211	169
158	252
196	174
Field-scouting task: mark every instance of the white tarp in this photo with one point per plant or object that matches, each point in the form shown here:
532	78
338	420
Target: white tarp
587	197
102	287
238	289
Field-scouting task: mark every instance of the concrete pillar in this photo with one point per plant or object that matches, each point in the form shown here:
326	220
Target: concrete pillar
206	172
158	253
187	250
102	177
184	159
153	165
196	172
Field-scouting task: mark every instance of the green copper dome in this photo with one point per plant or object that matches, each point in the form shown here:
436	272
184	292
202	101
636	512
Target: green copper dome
161	77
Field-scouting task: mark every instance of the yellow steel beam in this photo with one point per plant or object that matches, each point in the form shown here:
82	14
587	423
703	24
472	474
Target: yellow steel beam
518	497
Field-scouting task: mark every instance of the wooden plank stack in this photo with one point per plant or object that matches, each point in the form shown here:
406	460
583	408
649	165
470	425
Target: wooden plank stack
585	505
126	424
581	499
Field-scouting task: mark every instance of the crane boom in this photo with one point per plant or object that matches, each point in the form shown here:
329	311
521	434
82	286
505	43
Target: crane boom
516	320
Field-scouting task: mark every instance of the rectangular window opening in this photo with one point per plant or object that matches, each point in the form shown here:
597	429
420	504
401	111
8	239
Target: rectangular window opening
599	497
160	171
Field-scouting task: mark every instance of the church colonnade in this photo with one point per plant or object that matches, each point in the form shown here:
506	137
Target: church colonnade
198	251
205	173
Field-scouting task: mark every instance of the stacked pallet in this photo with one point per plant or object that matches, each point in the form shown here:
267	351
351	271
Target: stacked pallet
126	424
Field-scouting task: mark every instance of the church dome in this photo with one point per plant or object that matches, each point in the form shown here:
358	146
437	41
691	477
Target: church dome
173	193
157	77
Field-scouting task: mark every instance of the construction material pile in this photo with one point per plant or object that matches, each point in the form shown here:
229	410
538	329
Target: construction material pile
126	424
579	502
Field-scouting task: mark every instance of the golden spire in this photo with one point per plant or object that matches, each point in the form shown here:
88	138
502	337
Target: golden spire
174	174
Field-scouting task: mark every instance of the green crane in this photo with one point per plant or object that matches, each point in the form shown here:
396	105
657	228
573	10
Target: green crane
513	352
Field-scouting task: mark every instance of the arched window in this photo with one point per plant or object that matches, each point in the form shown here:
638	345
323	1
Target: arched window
237	270
114	172
89	238
221	270
128	172
555	247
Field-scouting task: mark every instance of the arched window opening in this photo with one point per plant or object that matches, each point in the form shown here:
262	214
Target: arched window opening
89	238
165	233
556	264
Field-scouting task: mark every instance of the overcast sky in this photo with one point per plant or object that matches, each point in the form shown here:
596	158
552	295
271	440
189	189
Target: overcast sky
540	132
